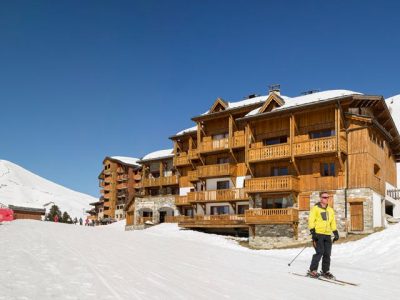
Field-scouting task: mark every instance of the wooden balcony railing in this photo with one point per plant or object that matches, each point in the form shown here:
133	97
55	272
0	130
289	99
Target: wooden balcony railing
271	216
192	175
181	200
107	172
272	184
216	170
108	179
107	196
238	139
182	159
214	220
315	146
160	181
122	186
142	220
175	219
122	177
184	181
218	195
213	145
269	152
193	154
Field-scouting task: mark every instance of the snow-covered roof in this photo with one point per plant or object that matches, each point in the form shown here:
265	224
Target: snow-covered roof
310	98
191	129
127	160
393	104
159	154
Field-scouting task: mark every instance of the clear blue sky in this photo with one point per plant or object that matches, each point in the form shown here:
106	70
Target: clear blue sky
80	80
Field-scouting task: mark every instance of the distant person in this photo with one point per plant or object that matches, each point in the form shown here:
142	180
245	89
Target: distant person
87	222
56	218
75	220
80	221
322	224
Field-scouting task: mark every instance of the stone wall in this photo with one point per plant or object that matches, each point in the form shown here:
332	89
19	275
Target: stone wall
272	236
155	203
365	194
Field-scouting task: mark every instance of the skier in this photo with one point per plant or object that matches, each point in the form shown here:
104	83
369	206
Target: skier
80	221
56	218
322	224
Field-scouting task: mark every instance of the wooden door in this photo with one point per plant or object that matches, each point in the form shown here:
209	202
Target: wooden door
357	216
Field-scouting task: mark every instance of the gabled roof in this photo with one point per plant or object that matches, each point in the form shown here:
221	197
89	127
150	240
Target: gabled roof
218	105
273	101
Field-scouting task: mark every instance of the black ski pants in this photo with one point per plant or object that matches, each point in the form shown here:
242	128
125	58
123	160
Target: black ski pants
323	248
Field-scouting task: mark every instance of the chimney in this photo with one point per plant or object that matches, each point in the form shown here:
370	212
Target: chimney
276	88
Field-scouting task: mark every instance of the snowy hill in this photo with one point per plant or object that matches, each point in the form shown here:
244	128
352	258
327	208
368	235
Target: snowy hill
23	188
163	262
394	106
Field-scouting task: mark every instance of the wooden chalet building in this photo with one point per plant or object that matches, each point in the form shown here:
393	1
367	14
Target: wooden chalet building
258	165
155	203
119	181
30	213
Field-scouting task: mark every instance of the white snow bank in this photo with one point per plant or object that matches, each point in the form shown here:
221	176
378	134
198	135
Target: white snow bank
79	262
21	187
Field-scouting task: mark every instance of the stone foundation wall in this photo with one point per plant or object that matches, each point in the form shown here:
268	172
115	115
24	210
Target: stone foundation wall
155	204
367	195
272	236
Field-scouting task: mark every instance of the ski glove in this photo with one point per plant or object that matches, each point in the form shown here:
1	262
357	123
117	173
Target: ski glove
313	234
336	234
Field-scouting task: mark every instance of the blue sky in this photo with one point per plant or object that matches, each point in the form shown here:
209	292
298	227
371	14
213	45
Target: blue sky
80	80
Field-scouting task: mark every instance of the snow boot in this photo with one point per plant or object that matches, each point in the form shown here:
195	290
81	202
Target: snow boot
313	274
327	275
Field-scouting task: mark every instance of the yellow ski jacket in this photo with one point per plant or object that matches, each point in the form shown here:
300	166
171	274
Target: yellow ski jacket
322	219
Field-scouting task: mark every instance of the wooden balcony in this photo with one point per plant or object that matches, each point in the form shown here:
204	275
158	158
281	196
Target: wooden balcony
318	146
272	216
181	200
182	159
184	181
108	179
137	177
214	145
238	139
107	172
107	196
272	184
214	221
160	181
265	153
122	177
192	176
175	219
120	170
193	154
218	195
122	186
216	170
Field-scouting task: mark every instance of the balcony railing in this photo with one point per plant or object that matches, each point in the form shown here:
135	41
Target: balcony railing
394	193
192	175
181	200
272	184
238	139
218	195
272	216
214	145
214	220
122	177
122	186
107	196
120	170
216	170
175	219
269	152
193	154
182	159
108	179
316	146
160	181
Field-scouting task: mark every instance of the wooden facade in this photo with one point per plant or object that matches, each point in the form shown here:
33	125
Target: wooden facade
119	182
280	157
27	213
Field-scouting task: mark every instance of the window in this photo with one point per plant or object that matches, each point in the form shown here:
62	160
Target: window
279	171
279	202
223	185
328	169
275	140
154	192
222	160
219	210
220	136
321	133
241	209
377	170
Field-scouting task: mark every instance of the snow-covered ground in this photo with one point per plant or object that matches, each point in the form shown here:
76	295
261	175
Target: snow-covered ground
21	187
43	260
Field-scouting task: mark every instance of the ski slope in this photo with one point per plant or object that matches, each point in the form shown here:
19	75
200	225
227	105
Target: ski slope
20	187
76	262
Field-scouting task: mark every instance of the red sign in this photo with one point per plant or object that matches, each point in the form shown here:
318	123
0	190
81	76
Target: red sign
6	214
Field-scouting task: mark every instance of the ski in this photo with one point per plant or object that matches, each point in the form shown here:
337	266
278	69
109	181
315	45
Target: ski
334	281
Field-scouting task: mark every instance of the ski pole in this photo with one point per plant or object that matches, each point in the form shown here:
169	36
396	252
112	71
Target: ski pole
297	255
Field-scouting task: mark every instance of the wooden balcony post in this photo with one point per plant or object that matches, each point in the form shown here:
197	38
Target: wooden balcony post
198	136
230	133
